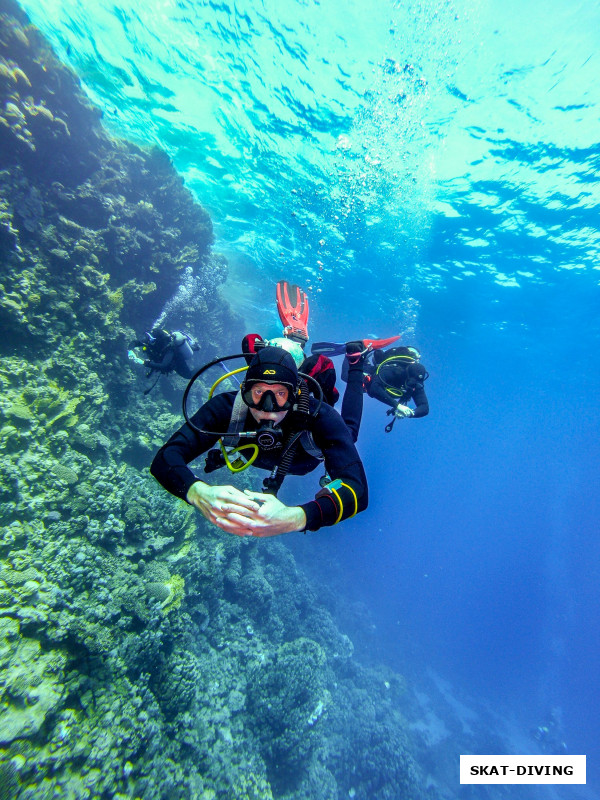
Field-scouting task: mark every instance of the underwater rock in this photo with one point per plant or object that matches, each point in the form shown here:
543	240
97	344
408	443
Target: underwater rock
284	695
31	687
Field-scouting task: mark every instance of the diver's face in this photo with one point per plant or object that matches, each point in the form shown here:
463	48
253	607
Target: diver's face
281	394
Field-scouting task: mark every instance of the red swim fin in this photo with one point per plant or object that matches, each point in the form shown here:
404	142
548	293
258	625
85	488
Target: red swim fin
377	344
292	305
339	348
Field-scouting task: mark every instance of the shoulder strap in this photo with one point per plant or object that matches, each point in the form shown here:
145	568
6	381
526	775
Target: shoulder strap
237	421
309	446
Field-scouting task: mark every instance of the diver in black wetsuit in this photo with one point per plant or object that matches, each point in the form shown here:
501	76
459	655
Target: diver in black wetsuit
394	377
274	407
397	377
166	352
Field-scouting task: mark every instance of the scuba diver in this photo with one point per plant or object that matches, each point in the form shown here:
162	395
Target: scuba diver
396	377
549	735
166	352
287	430
292	305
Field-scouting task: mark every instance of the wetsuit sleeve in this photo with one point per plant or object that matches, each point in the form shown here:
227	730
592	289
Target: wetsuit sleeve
349	494
170	464
165	364
376	389
421	403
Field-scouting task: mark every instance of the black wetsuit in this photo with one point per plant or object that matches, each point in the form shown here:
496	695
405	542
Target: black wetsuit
395	384
352	404
329	433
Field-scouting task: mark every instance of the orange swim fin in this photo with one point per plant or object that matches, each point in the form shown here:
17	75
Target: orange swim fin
292	305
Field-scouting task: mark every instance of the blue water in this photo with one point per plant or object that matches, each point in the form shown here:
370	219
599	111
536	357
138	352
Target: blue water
431	169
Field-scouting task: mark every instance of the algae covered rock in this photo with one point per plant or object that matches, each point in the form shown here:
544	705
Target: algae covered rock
287	697
31	685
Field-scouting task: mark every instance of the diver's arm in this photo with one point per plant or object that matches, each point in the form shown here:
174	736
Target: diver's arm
170	464
165	364
421	403
348	494
377	390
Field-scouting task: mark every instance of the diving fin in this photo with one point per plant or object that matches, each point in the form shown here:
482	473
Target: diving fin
328	348
292	305
339	348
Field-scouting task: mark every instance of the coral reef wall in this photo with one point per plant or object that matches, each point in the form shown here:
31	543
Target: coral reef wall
142	655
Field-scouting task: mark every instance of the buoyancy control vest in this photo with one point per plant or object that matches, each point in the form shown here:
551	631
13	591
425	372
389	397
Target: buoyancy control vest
400	373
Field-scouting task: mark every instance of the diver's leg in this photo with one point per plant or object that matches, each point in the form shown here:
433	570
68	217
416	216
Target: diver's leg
352	404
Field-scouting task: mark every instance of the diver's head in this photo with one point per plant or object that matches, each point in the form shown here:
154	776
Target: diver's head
401	355
407	355
270	385
158	338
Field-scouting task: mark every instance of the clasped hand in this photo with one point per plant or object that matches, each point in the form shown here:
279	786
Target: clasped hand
245	513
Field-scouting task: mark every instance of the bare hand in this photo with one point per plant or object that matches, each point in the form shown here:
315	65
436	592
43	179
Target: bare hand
271	518
220	504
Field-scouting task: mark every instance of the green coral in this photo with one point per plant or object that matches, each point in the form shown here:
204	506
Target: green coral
287	697
176	588
64	474
29	691
158	591
20	412
251	787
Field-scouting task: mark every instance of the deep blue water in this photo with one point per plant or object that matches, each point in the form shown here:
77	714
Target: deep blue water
440	162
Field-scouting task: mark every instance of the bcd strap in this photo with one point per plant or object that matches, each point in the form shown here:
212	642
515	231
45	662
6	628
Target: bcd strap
308	444
236	422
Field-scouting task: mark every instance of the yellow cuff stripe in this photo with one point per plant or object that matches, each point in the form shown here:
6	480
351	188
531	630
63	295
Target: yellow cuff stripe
355	499
342	505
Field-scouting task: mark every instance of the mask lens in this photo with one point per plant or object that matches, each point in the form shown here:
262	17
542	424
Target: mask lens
266	397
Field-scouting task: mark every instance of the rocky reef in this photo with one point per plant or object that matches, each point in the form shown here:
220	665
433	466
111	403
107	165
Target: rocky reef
142	654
